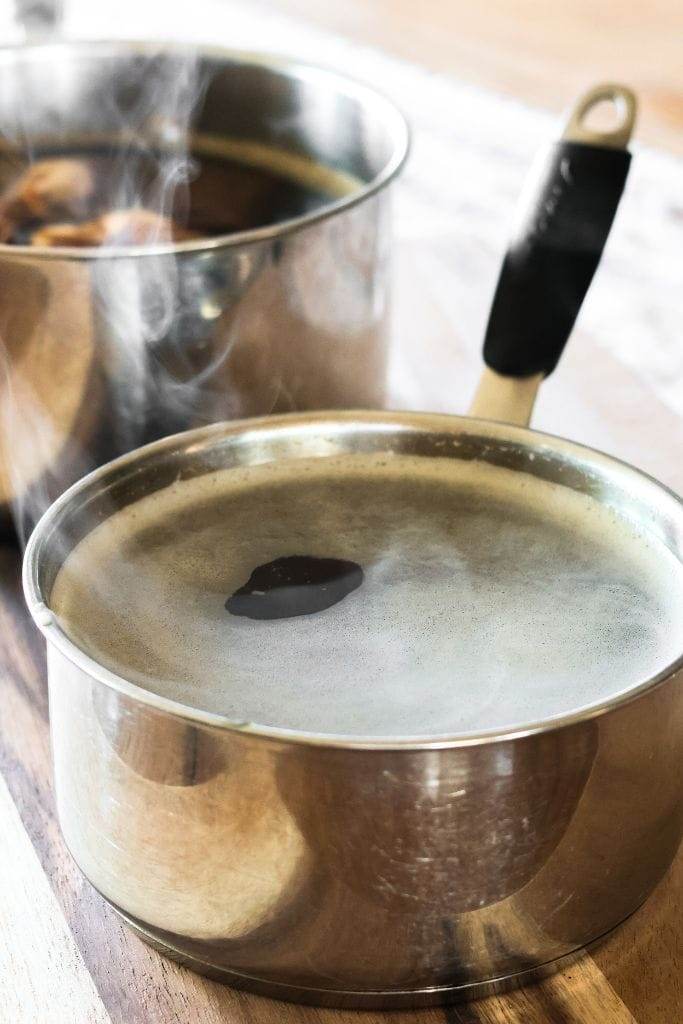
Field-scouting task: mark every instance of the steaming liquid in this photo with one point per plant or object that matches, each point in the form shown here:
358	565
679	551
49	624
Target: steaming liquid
488	599
222	194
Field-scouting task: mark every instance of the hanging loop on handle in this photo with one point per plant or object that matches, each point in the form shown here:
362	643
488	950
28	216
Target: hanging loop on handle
578	129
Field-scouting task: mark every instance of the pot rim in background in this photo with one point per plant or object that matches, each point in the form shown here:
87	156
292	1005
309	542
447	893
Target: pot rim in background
371	99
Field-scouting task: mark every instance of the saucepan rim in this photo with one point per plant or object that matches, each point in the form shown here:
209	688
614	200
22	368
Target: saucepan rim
367	95
203	437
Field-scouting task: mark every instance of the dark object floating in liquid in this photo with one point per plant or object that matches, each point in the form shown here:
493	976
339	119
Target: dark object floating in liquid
295	585
81	197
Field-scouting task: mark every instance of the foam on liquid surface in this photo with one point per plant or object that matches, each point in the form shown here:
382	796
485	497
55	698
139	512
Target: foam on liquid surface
490	599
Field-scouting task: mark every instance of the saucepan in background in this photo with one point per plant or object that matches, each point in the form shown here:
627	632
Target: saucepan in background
106	348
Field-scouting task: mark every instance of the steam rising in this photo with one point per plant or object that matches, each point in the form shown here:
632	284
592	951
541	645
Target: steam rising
30	443
163	337
144	306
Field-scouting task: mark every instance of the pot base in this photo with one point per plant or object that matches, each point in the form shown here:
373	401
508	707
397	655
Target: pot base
345	999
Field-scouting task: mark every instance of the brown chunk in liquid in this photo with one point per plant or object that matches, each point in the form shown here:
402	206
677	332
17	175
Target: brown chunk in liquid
132	196
61	187
119	227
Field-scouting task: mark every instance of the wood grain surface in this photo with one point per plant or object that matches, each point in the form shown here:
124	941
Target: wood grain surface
541	52
64	956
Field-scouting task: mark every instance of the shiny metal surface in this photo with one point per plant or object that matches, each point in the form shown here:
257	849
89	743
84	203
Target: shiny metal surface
120	346
357	871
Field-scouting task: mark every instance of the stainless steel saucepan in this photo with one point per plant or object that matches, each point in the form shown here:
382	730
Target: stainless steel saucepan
394	871
107	348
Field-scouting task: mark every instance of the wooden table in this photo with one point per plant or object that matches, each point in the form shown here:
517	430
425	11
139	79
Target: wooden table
64	956
66	959
540	52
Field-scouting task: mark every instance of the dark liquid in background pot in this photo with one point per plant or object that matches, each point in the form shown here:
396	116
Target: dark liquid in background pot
221	195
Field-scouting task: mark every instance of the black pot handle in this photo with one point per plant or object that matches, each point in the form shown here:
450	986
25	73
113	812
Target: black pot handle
559	240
